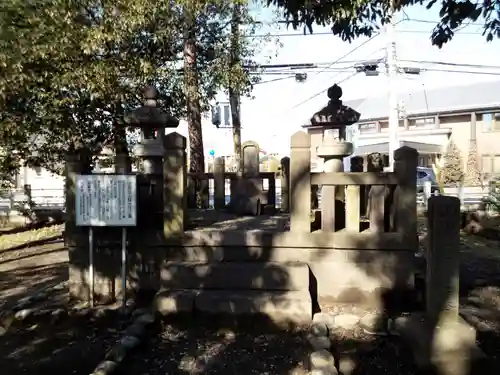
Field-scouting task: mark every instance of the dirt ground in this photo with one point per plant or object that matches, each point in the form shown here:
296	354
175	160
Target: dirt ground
76	346
67	346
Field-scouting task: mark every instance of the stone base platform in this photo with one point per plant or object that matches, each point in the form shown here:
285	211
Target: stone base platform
449	349
279	307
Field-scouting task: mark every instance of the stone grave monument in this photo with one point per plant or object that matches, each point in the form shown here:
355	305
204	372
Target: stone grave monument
250	197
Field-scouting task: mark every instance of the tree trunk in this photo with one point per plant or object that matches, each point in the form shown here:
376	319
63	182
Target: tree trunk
234	101
196	154
234	95
122	158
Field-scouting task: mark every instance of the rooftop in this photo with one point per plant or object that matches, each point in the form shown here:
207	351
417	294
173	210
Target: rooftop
478	96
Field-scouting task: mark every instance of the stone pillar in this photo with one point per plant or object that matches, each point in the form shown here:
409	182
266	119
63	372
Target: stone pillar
300	182
404	215
333	197
174	185
219	183
443	258
357	166
285	184
440	338
149	152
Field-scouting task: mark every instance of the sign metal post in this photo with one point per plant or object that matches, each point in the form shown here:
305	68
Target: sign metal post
106	200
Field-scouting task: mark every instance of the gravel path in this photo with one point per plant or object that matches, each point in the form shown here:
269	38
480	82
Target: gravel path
72	346
202	350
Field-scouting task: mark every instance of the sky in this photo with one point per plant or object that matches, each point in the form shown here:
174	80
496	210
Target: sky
278	109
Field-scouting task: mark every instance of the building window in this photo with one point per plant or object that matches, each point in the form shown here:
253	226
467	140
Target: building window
491	122
490	164
369	127
384	125
424	122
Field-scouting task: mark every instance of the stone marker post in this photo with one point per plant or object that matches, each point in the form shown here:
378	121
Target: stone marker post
300	183
174	185
443	259
219	183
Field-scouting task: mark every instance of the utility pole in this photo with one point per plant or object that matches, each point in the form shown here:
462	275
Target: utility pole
392	76
234	92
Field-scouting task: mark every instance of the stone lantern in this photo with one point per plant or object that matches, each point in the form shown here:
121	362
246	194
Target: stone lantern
152	122
149	150
335	116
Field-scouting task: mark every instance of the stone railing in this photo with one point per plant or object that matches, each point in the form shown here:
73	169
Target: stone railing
221	181
391	207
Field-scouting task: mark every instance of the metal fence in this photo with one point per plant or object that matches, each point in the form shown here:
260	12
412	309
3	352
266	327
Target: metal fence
36	199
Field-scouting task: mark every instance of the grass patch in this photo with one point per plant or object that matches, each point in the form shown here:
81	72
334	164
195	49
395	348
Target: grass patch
8	241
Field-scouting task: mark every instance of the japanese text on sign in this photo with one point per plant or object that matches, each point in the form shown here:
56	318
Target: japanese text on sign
106	200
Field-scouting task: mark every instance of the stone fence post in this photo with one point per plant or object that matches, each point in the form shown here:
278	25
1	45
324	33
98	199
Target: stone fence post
404	215
219	183
300	182
174	185
285	184
443	258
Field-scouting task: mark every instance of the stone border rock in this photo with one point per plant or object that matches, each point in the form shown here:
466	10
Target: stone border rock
25	308
131	337
321	360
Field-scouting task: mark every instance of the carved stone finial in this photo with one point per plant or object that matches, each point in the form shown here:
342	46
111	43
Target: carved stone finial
334	92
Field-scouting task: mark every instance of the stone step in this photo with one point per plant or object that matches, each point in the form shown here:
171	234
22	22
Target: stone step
235	275
279	306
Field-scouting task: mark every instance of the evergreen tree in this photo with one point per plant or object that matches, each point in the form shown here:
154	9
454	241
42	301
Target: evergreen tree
452	172
472	174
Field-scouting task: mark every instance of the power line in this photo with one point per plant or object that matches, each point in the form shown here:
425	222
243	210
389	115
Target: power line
479	66
427	32
274	80
436	22
350	52
462	71
322	91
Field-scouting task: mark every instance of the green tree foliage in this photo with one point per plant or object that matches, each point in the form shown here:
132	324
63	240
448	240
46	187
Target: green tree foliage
452	172
350	19
472	174
70	71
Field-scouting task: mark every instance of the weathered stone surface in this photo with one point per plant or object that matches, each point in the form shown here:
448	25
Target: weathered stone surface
116	354
136	330
319	342
346	321
450	347
237	275
129	342
324	372
325	318
145	319
346	365
173	302
319	329
105	368
292	307
374	324
321	360
23	314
